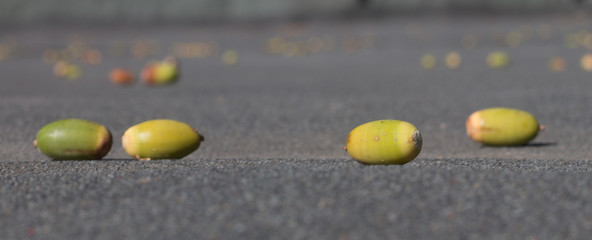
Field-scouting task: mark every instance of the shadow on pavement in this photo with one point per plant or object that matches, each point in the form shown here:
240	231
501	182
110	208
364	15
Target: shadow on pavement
538	144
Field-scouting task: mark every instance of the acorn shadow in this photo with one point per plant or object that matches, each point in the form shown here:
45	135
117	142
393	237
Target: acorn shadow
118	159
101	160
529	145
541	144
134	160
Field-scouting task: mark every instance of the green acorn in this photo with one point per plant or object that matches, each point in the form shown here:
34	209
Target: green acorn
161	139
74	139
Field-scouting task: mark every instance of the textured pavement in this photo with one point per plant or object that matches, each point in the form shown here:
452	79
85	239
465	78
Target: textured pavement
273	164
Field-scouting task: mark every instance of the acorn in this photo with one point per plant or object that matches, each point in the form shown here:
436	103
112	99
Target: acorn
586	62
230	58
63	69
384	142
162	72
59	69
74	139
121	77
502	127
428	62
161	139
498	59
452	60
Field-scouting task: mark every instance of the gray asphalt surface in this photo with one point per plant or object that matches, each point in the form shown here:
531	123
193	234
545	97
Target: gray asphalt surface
273	164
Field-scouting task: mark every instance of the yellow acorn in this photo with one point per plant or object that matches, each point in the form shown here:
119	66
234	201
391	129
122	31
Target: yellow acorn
161	139
74	139
230	58
498	59
73	72
502	127
161	73
428	62
384	142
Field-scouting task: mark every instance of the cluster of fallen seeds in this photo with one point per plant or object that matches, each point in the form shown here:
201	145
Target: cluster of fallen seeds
398	142
453	60
67	61
155	73
78	139
377	142
501	60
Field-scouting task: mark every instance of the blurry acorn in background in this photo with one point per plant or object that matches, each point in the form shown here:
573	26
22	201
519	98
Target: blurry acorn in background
586	62
162	72
498	60
428	62
63	69
453	60
121	77
59	69
230	58
557	64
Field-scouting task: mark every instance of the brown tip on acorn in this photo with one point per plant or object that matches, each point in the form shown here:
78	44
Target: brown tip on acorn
105	145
